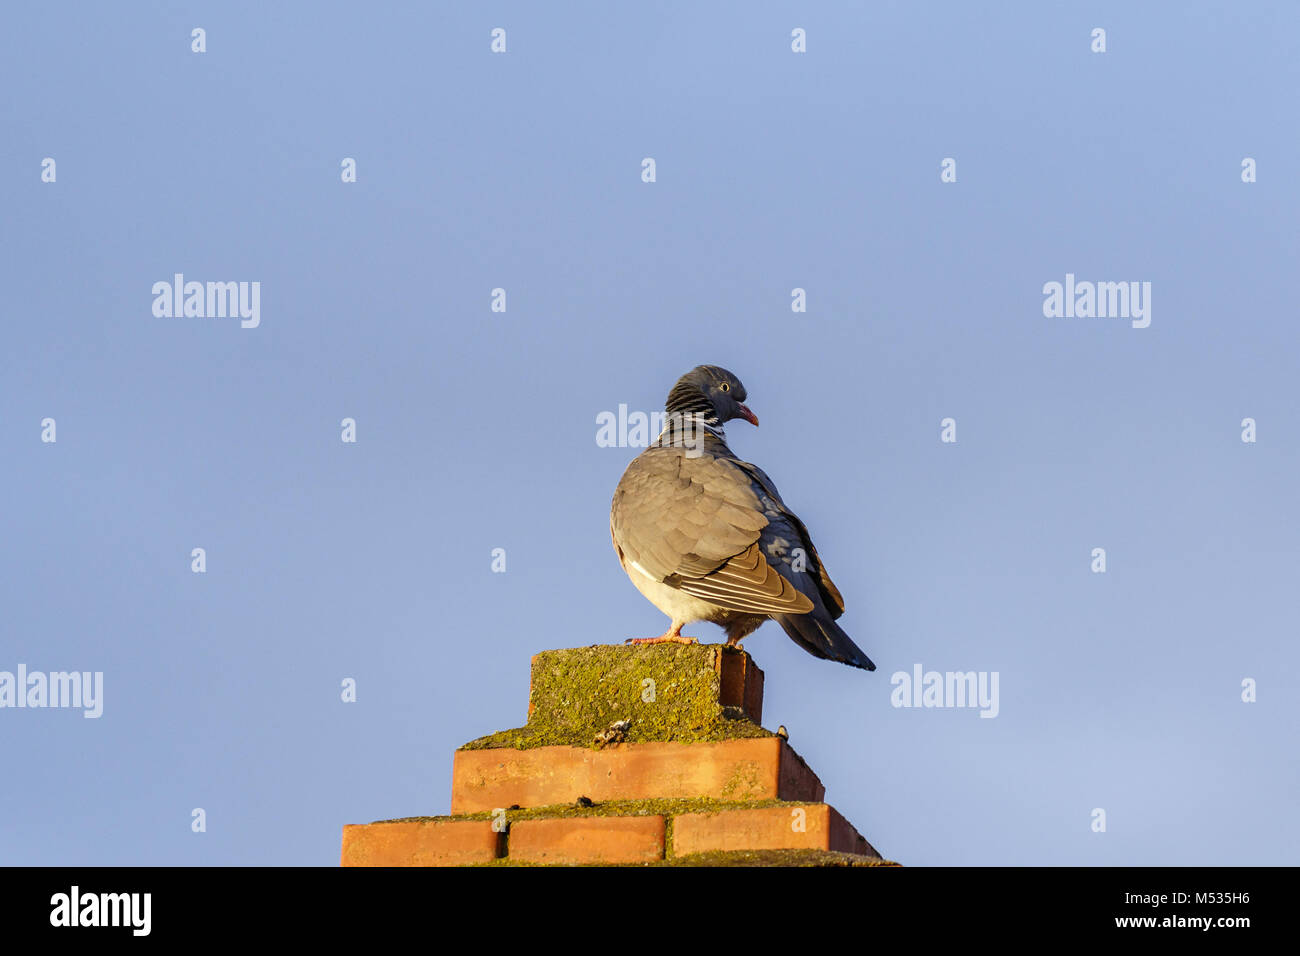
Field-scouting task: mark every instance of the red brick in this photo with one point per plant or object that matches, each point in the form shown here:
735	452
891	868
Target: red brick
759	768
588	840
421	843
767	828
741	683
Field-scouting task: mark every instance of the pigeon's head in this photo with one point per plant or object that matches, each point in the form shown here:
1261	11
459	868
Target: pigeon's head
712	392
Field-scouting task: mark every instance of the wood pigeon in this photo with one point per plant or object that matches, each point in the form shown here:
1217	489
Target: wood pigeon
705	536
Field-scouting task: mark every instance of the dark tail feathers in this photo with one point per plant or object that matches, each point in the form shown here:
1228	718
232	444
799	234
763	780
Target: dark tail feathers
822	637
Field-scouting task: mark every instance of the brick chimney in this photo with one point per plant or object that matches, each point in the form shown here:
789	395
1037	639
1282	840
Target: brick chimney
641	755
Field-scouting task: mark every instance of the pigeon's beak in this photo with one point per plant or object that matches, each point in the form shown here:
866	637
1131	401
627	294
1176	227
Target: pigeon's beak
748	416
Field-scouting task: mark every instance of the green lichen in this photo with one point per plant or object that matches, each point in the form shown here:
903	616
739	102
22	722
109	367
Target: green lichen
745	779
577	693
666	807
775	858
804	858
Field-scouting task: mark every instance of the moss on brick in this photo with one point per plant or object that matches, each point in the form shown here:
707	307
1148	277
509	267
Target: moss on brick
667	807
577	693
806	858
776	858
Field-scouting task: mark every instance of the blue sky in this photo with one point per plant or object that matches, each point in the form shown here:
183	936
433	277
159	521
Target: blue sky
476	429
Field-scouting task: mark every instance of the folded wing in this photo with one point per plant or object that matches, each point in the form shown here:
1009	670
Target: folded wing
696	524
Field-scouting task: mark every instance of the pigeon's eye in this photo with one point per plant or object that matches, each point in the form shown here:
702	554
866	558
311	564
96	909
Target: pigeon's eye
725	387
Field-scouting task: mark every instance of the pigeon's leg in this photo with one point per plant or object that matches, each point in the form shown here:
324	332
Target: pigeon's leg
739	629
672	636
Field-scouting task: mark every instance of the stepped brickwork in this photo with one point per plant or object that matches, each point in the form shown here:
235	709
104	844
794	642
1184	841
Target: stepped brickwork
642	755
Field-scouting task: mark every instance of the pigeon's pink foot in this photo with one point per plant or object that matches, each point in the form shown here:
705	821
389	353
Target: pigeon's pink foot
671	636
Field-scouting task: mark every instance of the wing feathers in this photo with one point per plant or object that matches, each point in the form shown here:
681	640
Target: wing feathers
747	582
697	524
